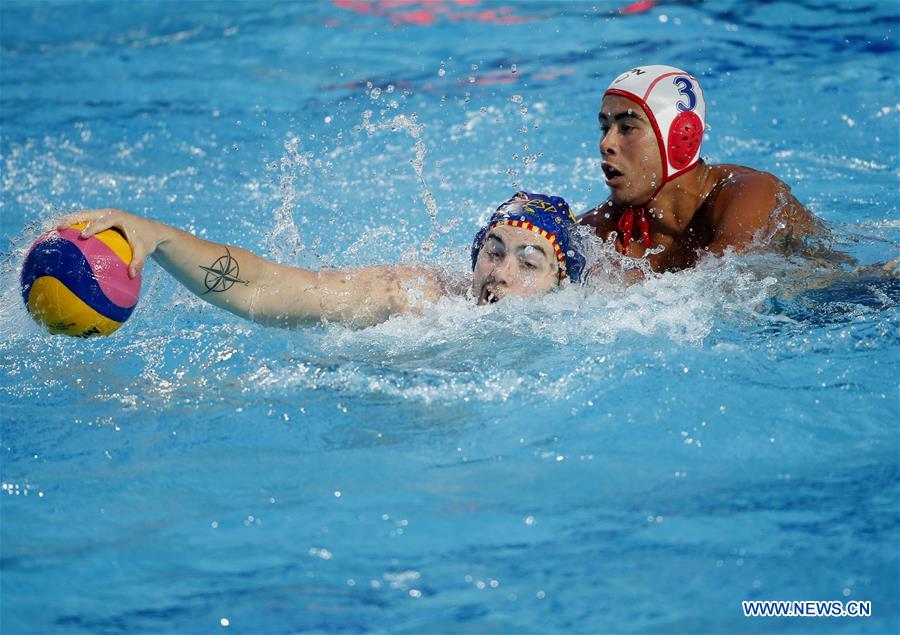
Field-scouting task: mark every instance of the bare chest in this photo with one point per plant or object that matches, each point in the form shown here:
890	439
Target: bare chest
669	251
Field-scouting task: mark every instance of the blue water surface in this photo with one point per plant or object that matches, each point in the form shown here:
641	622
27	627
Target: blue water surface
610	459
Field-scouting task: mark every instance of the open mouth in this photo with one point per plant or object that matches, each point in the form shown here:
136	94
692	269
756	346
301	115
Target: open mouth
488	297
611	172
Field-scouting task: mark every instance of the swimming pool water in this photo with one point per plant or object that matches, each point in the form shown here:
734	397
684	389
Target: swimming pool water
614	459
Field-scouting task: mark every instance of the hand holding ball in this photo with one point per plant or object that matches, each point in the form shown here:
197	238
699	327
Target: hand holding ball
80	286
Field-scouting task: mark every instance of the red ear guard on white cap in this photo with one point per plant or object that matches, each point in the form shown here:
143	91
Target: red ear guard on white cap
673	101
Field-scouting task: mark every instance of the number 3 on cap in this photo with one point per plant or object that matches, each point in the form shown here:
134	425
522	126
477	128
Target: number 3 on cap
686	89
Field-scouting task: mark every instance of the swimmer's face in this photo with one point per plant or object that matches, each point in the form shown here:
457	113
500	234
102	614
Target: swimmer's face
631	160
514	261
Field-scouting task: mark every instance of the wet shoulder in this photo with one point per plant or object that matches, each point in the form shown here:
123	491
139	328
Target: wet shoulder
600	218
746	204
728	180
737	189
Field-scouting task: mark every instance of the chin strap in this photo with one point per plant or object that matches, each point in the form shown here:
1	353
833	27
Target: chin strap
631	219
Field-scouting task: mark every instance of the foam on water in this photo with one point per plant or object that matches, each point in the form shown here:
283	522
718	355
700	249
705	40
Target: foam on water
454	350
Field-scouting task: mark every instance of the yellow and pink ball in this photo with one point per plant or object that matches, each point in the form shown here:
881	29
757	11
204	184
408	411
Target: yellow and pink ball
80	286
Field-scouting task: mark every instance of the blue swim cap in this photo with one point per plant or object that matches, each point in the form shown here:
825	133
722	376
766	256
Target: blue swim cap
548	216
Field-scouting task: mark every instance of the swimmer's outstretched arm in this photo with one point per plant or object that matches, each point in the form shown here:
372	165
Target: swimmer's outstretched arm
263	291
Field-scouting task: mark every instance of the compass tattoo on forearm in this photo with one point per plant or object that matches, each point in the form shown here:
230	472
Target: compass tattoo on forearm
222	274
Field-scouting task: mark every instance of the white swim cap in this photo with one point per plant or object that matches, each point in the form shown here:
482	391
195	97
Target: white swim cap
674	103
